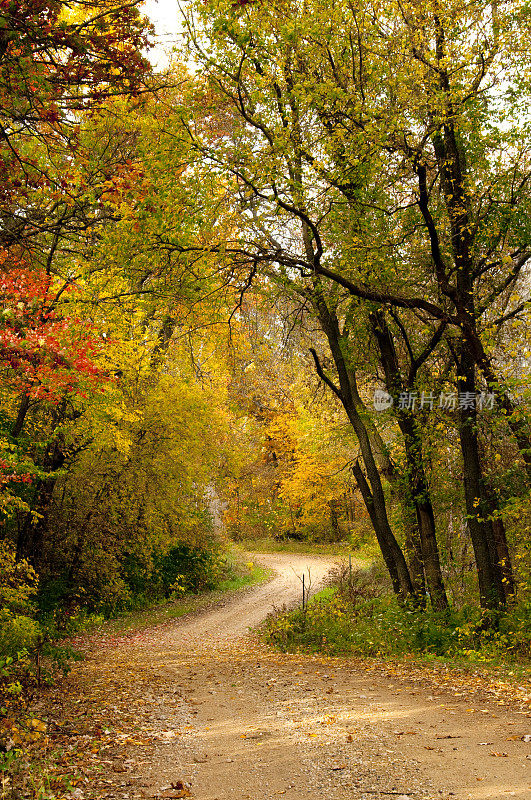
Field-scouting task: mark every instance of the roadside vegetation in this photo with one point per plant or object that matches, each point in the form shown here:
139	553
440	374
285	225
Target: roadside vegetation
279	297
241	573
281	545
358	615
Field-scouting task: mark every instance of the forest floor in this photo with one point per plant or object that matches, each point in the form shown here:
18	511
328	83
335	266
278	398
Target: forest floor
198	707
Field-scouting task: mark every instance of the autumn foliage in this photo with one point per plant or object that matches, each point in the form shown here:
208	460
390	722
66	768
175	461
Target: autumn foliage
207	279
42	353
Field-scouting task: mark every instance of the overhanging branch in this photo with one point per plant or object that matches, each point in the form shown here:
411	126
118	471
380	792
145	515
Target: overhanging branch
320	371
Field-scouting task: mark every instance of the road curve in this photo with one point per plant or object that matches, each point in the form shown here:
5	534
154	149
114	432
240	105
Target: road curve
234	617
198	707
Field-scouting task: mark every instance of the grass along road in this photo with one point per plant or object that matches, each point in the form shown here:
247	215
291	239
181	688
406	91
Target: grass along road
198	707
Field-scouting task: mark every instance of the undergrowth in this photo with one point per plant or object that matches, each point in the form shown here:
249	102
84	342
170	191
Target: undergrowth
241	573
268	544
358	615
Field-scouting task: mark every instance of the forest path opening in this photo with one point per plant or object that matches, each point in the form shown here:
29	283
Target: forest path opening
200	708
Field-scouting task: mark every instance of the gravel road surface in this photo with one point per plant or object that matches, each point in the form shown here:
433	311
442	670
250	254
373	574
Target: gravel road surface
200	708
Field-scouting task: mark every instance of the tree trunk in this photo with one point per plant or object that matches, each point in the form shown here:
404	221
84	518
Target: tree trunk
391	552
417	483
504	559
413	549
491	590
502	547
430	555
371	488
23	409
420	498
518	425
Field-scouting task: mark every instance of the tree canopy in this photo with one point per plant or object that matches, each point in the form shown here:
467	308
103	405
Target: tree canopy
289	279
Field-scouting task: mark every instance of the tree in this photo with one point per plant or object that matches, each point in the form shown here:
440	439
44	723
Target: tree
58	62
324	96
268	195
45	359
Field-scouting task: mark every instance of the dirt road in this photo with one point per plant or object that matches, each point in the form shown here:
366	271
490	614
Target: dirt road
199	708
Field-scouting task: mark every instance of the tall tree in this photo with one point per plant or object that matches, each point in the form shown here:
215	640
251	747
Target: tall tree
394	110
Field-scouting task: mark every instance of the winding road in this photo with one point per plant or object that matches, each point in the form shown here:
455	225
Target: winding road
204	710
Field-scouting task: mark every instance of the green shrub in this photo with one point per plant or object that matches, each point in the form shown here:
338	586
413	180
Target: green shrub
356	585
360	617
17	633
191	568
18	585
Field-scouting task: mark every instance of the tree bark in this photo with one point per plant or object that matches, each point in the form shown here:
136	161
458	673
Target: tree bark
389	547
417	482
478	508
371	488
413	550
23	409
